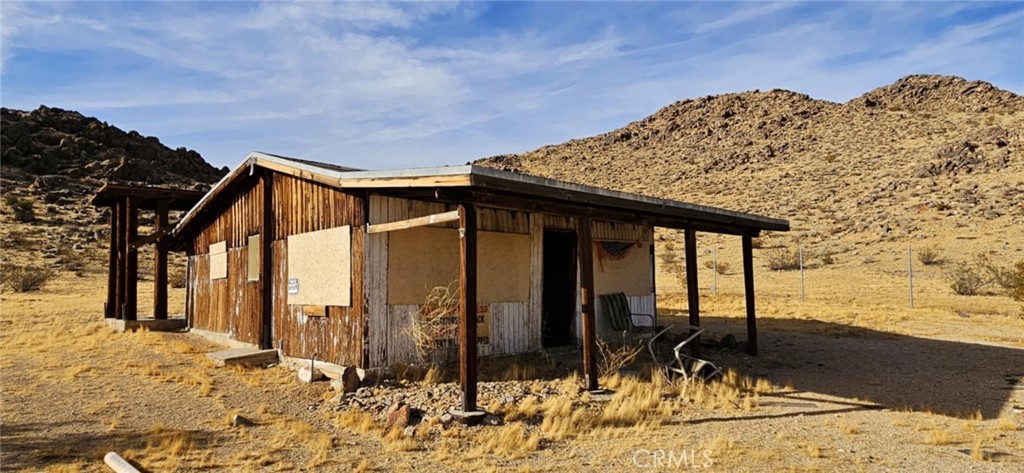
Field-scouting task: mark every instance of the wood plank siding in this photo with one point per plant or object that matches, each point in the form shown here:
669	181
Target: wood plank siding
515	326
369	333
232	305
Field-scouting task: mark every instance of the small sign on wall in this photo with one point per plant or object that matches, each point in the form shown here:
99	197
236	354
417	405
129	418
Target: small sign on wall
293	286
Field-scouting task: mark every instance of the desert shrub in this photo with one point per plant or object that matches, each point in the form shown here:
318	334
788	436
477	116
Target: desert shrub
783	259
15	239
826	257
1009	278
176	278
26	278
434	327
614	359
673	262
72	260
20	208
1014	281
722	268
929	255
967	278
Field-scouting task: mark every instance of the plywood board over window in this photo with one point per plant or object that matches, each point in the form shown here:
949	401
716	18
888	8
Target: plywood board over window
628	272
253	258
422	258
320	267
219	260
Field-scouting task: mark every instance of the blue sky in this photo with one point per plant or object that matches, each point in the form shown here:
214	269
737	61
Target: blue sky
384	85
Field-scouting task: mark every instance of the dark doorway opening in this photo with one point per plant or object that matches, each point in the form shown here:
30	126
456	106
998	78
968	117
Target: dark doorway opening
559	287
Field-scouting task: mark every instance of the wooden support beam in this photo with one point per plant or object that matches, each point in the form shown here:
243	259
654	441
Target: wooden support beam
467	306
152	238
160	262
131	261
109	309
692	291
414	222
748	290
527	203
585	247
266	267
122	253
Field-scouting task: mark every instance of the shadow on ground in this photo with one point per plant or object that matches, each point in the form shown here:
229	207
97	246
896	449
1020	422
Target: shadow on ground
956	379
37	446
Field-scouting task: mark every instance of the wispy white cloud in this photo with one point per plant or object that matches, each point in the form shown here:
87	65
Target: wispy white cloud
379	84
744	15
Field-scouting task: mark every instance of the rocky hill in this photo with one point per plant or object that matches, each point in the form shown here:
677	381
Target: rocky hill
923	156
56	159
54	142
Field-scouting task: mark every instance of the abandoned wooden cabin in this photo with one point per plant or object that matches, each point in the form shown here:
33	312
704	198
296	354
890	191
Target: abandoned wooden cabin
323	261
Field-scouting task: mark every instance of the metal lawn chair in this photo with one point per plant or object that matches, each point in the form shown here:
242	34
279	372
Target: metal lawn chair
684	365
616	310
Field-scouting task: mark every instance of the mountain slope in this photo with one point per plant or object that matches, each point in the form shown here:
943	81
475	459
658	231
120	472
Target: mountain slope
903	161
56	160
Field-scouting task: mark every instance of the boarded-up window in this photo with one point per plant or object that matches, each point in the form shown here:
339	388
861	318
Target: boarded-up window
622	267
420	259
219	260
320	267
253	258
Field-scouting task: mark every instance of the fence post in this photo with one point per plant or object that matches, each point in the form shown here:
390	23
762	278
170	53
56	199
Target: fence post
910	274
801	250
714	273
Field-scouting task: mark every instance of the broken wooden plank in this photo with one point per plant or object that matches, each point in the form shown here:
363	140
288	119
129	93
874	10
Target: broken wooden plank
414	222
245	356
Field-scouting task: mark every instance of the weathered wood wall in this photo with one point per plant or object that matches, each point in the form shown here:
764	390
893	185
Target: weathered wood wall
515	326
233	305
513	330
369	333
230	305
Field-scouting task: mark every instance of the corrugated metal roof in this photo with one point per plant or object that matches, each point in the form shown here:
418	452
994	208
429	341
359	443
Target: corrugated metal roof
478	176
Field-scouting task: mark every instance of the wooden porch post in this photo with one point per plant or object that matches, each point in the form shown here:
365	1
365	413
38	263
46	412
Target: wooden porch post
748	289
110	309
585	247
131	266
692	292
467	306
266	267
160	264
122	253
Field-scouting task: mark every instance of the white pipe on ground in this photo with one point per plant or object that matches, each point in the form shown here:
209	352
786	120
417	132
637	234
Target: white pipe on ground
118	464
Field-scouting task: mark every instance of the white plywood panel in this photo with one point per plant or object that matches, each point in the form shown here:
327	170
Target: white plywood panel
219	260
320	267
629	273
423	258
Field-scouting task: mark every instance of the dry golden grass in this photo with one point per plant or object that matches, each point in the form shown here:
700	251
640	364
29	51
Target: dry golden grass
939	437
812	450
510	441
1007	425
395	440
849	428
358	421
977	453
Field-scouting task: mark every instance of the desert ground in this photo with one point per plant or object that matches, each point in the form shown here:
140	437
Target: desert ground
850	379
